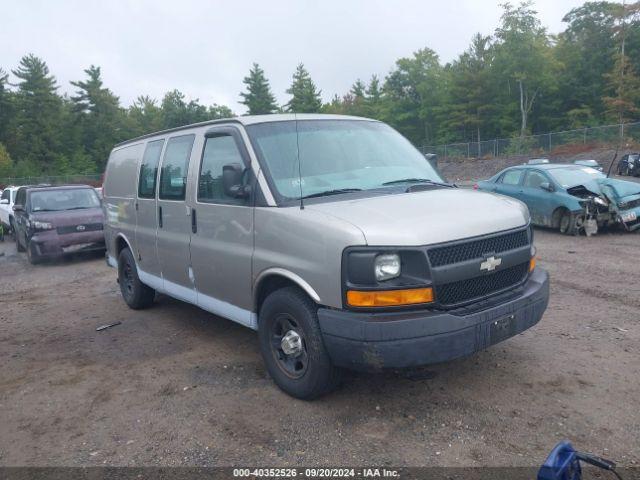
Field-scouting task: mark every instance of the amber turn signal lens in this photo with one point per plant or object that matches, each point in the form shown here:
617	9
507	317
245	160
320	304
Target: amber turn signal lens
532	264
389	298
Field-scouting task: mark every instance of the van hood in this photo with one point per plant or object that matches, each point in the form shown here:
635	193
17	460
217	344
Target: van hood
424	218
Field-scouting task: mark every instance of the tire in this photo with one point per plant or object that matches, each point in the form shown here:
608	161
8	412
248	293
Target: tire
19	246
568	223
308	373
136	294
34	258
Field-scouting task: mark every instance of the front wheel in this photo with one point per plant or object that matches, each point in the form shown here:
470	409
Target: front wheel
136	294
32	256
292	347
568	223
19	246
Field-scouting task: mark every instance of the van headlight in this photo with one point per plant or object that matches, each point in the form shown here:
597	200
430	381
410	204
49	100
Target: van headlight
387	266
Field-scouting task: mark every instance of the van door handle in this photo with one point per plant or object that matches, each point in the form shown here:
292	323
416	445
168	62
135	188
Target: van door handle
194	222
160	217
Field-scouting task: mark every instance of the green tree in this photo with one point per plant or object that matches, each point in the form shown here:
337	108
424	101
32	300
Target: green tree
100	118
6	165
177	112
305	96
586	48
470	91
35	138
413	96
258	97
523	60
6	107
220	111
145	116
624	91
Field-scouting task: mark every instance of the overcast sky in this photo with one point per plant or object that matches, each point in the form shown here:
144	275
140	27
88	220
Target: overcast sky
205	48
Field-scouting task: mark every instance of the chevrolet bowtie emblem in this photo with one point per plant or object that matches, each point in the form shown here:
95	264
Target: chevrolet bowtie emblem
490	264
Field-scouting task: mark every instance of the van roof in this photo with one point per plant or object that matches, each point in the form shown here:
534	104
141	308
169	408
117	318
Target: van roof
251	120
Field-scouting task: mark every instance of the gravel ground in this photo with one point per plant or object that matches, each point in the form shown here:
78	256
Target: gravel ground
174	385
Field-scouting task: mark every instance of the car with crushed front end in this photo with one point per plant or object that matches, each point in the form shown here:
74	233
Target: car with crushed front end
332	236
571	198
51	221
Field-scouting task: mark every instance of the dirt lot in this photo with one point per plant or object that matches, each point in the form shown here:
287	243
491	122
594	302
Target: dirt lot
174	385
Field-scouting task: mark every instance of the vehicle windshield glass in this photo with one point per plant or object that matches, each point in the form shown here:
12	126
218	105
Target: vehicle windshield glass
570	177
336	155
63	199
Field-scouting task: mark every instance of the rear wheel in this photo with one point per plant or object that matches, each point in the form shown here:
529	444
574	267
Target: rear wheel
292	347
136	294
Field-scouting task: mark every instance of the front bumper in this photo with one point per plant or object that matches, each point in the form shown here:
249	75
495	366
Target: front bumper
366	341
631	225
49	243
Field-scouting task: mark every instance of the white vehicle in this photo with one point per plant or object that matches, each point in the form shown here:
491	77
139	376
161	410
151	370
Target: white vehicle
6	207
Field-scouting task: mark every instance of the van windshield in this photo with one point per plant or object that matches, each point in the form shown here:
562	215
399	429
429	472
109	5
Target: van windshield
63	199
336	155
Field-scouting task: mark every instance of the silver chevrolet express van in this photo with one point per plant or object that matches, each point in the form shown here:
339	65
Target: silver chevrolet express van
331	236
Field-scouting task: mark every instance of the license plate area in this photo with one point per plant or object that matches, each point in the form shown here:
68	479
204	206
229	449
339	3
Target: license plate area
502	328
77	247
628	217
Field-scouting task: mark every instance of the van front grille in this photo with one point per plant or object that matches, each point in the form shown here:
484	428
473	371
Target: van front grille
463	251
474	288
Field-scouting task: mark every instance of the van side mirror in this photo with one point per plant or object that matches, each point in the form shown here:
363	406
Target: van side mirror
546	186
18	208
232	175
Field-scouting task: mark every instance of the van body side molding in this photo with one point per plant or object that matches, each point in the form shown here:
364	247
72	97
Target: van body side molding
210	304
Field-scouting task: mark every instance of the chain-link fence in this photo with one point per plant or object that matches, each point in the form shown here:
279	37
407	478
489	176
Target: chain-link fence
570	141
87	179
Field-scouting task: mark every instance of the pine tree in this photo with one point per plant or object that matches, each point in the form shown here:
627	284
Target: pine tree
100	118
305	96
37	133
6	111
258	98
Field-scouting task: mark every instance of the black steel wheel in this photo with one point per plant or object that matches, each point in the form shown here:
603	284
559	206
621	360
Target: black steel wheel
288	346
291	345
136	294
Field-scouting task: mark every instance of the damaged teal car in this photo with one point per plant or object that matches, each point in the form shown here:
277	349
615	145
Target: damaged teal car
571	198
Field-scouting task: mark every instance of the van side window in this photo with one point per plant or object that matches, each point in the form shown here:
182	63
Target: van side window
218	151
173	175
149	169
6	195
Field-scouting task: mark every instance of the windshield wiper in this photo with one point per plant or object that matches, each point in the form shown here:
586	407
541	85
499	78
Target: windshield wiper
417	180
77	208
333	192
